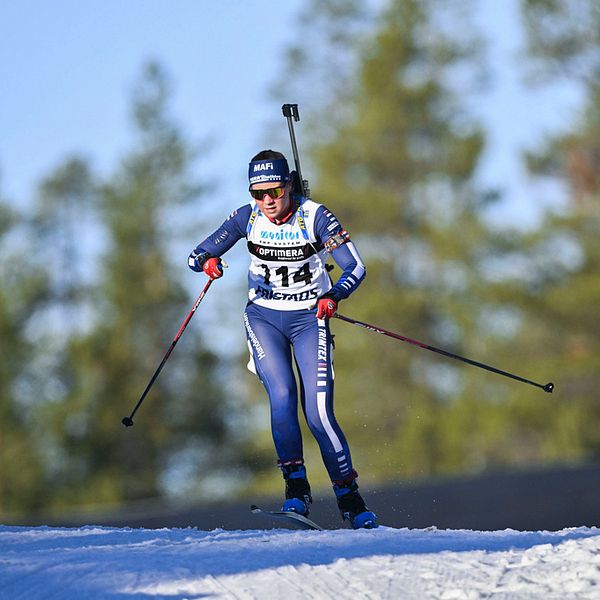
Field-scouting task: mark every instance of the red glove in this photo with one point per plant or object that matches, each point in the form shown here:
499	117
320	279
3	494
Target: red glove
213	267
326	307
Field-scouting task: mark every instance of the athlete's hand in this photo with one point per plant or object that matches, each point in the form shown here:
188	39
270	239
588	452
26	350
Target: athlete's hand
326	307
213	267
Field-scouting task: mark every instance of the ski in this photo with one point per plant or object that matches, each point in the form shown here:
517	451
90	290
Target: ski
291	518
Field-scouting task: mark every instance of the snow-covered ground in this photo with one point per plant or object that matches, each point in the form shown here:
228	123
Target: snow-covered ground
173	564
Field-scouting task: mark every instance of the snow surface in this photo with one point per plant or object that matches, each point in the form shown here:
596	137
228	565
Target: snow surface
176	564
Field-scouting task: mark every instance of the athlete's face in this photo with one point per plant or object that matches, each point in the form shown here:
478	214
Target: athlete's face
274	208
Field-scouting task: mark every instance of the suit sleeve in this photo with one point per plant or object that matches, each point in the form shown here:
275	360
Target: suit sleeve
223	239
336	241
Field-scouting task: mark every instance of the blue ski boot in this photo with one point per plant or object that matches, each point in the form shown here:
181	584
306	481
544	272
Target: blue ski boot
297	489
353	507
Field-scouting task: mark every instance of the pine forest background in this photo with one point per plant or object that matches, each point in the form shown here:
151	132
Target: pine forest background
391	142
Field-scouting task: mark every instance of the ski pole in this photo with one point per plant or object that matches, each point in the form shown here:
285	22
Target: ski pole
128	421
548	387
290	111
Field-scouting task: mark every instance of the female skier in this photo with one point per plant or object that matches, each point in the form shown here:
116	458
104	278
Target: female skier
290	301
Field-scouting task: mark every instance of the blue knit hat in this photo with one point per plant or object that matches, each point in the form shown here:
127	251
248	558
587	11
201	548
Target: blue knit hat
275	170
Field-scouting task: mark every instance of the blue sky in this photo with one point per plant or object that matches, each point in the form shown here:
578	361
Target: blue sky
67	69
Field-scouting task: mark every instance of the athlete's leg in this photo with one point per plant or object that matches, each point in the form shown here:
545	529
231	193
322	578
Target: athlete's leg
273	363
312	344
313	351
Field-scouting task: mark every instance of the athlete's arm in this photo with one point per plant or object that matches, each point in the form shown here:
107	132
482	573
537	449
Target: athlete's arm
343	251
221	240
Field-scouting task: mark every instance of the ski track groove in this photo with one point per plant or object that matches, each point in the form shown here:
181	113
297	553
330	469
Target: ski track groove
217	585
550	564
291	576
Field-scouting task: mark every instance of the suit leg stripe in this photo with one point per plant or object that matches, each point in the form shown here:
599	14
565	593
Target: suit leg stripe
321	403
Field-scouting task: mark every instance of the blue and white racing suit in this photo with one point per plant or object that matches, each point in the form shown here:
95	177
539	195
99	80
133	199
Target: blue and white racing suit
287	275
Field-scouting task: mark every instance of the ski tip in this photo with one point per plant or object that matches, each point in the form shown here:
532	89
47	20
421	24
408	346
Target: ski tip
298	521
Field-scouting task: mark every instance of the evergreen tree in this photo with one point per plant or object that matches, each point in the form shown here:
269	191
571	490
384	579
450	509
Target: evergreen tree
23	290
139	304
62	225
562	289
563	39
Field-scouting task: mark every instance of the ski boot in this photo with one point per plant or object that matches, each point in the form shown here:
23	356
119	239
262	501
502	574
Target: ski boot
352	506
297	488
